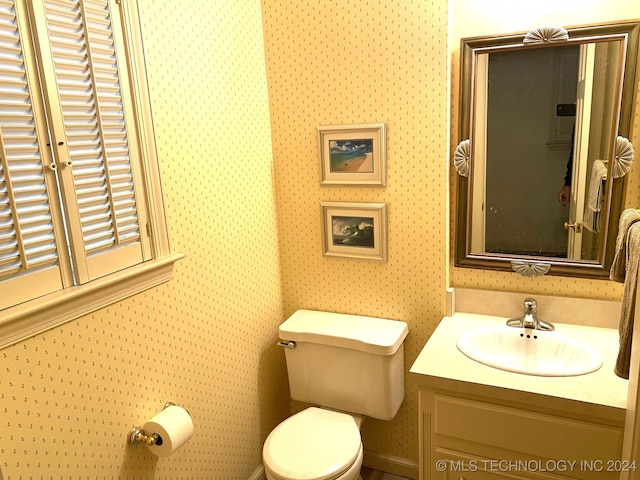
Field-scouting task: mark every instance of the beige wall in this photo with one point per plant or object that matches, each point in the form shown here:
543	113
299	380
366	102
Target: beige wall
471	18
205	340
349	62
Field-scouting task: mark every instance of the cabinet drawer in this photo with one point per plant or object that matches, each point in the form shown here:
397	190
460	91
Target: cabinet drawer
538	434
454	465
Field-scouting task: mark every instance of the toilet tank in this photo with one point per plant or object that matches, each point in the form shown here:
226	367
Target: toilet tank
346	362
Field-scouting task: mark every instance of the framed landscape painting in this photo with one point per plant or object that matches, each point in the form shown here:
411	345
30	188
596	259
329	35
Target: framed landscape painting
355	230
352	155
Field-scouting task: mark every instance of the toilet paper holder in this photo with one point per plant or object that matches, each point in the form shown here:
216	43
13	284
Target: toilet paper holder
137	435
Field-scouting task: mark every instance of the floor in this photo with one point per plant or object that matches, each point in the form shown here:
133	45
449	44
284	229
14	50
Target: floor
368	474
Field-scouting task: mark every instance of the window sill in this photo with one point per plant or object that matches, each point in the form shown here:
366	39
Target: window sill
34	317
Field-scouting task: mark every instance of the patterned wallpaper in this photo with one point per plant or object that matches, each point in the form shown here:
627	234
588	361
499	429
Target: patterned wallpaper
505	16
350	62
206	340
230	155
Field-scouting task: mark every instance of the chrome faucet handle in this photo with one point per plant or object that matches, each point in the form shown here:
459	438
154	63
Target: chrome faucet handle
548	326
530	317
514	322
530	306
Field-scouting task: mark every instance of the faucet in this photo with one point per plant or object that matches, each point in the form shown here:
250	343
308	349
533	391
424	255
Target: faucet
530	318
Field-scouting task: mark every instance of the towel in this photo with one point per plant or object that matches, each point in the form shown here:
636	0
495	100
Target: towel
595	196
627	218
626	265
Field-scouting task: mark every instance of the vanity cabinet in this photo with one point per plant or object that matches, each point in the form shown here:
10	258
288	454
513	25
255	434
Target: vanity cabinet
471	437
483	423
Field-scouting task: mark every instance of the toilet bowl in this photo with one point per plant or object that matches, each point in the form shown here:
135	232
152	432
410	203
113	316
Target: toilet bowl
315	444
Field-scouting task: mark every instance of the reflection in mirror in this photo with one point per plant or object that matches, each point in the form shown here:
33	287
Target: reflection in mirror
542	121
531	115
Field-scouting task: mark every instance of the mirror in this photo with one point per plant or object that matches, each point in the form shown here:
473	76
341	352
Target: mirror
543	127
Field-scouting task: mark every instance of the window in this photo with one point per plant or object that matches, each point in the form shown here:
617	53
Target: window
81	211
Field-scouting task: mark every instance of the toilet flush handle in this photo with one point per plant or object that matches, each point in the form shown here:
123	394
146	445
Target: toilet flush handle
290	344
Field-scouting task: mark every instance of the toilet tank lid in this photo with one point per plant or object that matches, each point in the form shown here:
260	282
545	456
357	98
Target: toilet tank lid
367	334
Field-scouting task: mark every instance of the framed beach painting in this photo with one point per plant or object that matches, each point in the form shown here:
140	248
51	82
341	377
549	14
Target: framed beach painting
353	155
355	230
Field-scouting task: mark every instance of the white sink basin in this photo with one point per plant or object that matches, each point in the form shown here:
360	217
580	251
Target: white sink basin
532	352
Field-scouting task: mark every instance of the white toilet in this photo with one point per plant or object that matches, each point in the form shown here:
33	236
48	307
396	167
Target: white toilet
351	365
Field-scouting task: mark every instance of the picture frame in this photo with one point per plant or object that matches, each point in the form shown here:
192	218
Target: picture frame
354	230
353	154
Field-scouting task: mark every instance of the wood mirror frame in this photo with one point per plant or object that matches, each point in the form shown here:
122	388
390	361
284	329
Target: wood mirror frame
530	264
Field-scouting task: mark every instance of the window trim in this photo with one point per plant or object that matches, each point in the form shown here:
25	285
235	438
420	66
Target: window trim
35	316
138	81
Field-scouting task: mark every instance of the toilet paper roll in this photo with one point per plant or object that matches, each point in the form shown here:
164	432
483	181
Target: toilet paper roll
174	427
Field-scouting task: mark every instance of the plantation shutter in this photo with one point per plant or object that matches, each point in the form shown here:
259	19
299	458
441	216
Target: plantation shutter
29	240
94	135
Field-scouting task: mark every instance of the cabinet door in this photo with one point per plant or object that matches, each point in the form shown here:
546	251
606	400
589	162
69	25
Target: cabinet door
463	439
531	433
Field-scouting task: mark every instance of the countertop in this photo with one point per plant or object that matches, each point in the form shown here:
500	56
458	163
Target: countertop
441	365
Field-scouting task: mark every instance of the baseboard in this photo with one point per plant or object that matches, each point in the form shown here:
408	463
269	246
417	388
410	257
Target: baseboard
258	474
390	464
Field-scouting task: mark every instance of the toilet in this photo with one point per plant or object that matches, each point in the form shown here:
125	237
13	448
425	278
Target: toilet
348	367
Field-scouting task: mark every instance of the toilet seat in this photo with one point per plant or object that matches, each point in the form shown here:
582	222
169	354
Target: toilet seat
314	444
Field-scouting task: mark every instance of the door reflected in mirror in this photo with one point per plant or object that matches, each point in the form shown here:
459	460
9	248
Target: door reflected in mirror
542	122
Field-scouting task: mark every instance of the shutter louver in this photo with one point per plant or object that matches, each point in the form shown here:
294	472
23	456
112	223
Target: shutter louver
28	253
91	100
80	192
